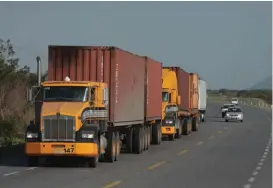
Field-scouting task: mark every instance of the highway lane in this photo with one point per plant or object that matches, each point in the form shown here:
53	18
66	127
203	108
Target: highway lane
219	155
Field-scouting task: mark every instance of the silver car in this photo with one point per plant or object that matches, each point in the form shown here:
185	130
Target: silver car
235	114
225	107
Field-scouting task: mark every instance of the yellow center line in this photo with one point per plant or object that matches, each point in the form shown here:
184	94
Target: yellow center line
199	143
211	137
113	184
220	132
156	165
183	152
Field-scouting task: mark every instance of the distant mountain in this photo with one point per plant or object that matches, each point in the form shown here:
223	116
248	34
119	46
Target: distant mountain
265	84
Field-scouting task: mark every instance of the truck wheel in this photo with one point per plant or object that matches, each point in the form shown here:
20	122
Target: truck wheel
117	146
137	140
156	134
185	127
159	133
93	162
33	161
194	124
111	147
171	137
178	132
149	136
142	139
129	140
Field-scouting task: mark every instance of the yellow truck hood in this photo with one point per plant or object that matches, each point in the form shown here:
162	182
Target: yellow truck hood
67	108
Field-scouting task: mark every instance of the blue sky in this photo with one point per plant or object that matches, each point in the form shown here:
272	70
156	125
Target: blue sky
228	43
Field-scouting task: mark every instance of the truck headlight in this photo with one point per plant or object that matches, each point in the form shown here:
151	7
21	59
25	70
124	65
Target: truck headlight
87	135
30	135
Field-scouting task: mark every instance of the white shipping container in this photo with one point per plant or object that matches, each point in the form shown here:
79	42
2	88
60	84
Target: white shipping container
202	88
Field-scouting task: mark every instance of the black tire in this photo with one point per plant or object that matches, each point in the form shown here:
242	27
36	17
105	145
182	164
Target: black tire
137	140
117	147
129	140
185	127
195	125
223	114
171	137
155	134
242	121
149	136
159	133
93	162
145	138
178	132
111	147
33	161
226	120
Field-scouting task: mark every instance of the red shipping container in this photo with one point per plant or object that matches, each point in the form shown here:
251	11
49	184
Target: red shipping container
123	71
153	89
183	81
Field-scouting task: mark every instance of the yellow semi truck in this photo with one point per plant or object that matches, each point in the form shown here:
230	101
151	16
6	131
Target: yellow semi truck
180	112
94	102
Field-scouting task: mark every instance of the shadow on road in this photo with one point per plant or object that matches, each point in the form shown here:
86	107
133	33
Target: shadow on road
12	155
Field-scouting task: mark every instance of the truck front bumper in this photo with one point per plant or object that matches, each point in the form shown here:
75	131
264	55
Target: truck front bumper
61	149
168	130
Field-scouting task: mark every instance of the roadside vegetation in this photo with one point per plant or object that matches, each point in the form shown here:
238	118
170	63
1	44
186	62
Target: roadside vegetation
264	95
15	112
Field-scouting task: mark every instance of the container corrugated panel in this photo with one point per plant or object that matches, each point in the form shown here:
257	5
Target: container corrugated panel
194	96
183	79
153	89
123	71
202	103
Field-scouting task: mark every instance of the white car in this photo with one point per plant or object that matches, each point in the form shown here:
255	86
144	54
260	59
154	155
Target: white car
235	114
234	101
225	107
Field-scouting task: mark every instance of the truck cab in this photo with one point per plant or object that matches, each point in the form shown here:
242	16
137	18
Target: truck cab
170	102
68	120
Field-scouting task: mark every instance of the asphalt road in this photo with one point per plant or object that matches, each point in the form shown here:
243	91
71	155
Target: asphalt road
220	154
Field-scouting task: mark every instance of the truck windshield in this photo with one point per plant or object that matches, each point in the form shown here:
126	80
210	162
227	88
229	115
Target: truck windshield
165	96
65	93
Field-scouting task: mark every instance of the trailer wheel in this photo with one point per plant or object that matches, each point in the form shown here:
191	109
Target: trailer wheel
156	134
178	132
149	136
129	140
142	136
146	132
194	124
137	140
159	133
117	146
185	127
111	147
33	161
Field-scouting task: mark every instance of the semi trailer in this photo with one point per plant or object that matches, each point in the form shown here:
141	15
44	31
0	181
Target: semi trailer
98	100
202	102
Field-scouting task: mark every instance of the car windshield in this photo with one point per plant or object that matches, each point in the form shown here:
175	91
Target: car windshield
234	110
227	106
65	93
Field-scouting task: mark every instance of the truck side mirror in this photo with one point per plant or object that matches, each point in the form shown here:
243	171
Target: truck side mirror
178	99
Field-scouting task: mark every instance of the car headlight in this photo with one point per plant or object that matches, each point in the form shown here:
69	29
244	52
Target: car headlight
30	135
228	115
87	135
239	115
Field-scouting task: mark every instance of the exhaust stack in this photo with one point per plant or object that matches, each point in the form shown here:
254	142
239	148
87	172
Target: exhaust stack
39	73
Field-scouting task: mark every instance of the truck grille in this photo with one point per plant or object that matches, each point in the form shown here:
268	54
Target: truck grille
58	128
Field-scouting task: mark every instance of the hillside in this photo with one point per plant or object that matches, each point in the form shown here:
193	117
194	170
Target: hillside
264	84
